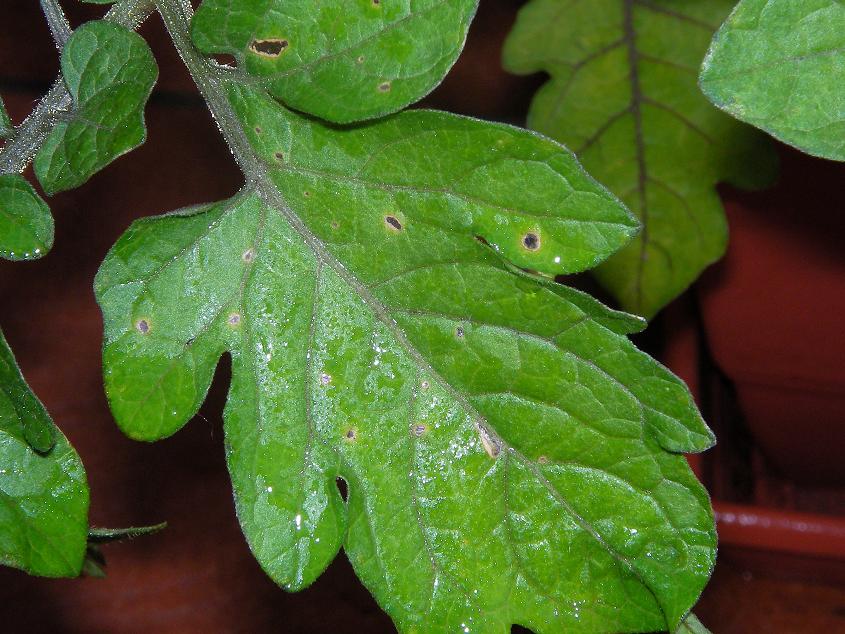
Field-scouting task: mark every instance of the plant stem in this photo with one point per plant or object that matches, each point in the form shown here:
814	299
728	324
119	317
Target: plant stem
30	135
176	15
57	22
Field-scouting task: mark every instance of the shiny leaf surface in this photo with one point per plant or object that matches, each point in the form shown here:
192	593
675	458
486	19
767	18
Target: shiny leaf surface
109	71
780	65
26	225
341	60
623	95
43	491
510	457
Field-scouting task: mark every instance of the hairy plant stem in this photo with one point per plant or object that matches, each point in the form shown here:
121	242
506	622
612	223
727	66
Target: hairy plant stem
56	20
22	146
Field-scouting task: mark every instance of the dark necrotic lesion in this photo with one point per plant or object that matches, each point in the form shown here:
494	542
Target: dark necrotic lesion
268	48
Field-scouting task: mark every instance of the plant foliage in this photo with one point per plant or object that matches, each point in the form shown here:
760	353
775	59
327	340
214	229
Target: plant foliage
92	115
623	95
780	65
43	491
510	456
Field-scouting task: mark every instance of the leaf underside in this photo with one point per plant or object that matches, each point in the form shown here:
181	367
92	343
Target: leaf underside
109	72
780	65
26	225
43	490
510	457
623	95
341	60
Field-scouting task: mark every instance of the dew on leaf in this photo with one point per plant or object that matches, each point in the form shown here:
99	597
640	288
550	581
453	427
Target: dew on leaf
531	241
272	47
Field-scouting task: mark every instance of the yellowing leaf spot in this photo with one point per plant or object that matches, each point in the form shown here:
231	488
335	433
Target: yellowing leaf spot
491	445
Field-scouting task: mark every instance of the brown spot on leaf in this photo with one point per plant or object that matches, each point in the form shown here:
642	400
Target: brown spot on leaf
393	223
543	460
419	429
143	326
384	86
271	47
459	332
351	435
531	241
234	319
248	256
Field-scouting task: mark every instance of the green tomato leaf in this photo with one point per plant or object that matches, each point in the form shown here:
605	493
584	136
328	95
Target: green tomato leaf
780	65
43	491
26	225
623	94
109	71
6	127
342	60
510	456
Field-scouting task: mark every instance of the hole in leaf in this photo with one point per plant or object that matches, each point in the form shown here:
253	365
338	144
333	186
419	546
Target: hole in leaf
271	47
531	241
224	59
343	488
143	326
393	223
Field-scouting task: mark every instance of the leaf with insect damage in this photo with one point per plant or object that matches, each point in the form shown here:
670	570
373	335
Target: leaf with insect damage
342	60
510	456
623	95
109	72
43	491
